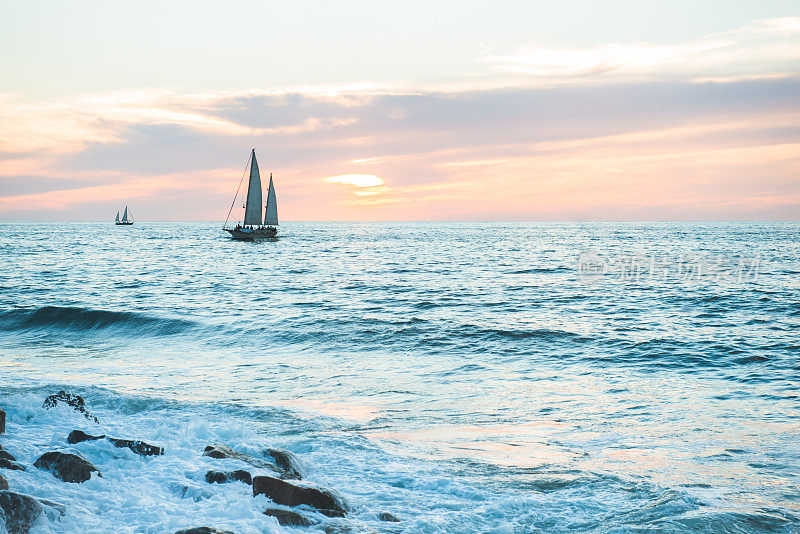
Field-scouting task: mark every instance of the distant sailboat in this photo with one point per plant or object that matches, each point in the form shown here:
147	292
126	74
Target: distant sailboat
125	220
253	226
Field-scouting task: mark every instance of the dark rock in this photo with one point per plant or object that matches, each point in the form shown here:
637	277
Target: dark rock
77	436
19	511
2	422
7	464
221	477
203	530
7	461
339	529
3	483
76	401
288	518
386	516
66	466
218	450
289	494
139	447
330	513
287	462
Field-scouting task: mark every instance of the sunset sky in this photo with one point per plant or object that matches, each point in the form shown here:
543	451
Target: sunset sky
572	110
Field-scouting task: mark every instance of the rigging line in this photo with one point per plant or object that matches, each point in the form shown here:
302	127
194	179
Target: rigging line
237	189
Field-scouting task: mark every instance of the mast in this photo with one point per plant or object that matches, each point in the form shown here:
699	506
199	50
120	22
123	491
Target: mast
271	213
252	210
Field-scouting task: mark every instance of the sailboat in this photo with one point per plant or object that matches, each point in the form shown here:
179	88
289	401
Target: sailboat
125	220
253	226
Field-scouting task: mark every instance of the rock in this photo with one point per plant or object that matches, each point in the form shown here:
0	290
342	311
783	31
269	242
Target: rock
3	483
77	436
76	401
66	466
2	422
221	477
288	462
289	518
330	513
7	461
7	464
289	494
139	447
19	511
218	450
386	516
203	530
4	454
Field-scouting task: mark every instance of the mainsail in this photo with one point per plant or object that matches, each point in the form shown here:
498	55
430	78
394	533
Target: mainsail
125	216
117	219
271	214
252	210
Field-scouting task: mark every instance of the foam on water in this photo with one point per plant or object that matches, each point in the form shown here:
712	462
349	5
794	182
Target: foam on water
166	493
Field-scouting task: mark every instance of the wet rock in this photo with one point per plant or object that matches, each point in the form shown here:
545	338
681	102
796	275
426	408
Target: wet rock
330	513
292	494
66	466
203	530
340	529
75	401
288	518
4	454
139	447
386	516
3	483
7	464
7	461
2	422
218	450
287	462
221	477
19	511
77	436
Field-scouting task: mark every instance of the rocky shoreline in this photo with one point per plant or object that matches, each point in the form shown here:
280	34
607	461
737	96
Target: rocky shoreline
277	474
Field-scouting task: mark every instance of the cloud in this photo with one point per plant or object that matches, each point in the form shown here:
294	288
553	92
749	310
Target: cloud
670	144
767	47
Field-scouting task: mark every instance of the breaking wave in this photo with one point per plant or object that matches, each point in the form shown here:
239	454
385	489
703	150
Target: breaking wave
86	319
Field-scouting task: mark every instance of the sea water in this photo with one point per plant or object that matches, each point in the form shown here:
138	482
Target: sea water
465	377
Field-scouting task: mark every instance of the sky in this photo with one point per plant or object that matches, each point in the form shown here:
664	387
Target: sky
367	110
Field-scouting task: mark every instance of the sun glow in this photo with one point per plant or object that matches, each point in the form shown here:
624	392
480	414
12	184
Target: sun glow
357	180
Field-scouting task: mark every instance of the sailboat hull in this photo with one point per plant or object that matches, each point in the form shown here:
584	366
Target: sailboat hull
248	234
122	223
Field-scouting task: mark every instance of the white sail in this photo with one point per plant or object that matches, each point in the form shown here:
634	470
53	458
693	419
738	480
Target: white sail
125	216
117	219
252	210
271	214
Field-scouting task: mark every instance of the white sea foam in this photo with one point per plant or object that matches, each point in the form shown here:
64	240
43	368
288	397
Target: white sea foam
162	494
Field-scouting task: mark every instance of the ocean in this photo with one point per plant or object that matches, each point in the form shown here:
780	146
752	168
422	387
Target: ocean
464	377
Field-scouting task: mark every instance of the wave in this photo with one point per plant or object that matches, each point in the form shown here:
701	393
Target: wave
534	270
87	319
